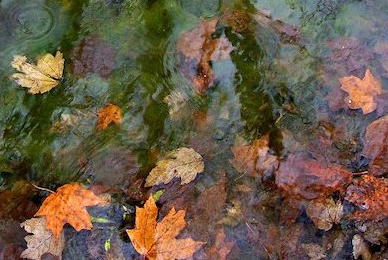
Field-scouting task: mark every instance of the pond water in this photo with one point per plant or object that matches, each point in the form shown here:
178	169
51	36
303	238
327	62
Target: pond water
278	79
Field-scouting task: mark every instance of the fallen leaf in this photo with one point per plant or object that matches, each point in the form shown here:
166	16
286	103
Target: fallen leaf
68	205
300	176
360	248
39	78
325	213
156	241
376	147
255	158
373	231
221	248
184	163
314	251
108	114
237	19
42	241
370	195
362	92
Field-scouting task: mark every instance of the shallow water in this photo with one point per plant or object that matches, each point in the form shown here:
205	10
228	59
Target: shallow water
274	82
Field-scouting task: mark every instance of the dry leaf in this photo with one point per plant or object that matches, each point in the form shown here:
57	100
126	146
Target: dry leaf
360	248
42	241
184	163
314	251
108	114
156	241
362	92
325	213
370	194
68	205
39	78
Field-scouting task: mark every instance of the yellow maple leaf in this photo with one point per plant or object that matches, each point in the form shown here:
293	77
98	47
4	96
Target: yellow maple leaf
156	241
39	78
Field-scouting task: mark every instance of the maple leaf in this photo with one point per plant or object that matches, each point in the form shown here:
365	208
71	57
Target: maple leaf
156	241
108	114
362	92
325	213
42	241
376	147
370	194
255	158
68	205
39	78
301	176
184	163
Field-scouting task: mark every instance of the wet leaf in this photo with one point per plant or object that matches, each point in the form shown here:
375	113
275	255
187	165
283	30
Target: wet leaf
362	92
68	205
314	251
184	163
370	195
156	241
39	78
325	213
255	158
42	241
376	147
108	114
360	248
303	177
221	247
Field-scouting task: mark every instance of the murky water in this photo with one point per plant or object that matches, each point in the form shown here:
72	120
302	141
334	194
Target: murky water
125	52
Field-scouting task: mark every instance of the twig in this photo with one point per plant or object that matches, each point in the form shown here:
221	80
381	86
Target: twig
44	189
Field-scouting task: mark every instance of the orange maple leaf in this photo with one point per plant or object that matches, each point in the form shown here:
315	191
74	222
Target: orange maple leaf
68	205
362	92
108	114
156	241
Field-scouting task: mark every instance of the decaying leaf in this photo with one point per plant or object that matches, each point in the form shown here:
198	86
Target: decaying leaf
314	251
42	241
360	248
108	114
39	78
303	177
156	241
362	92
184	163
68	205
370	194
325	213
221	248
376	146
255	158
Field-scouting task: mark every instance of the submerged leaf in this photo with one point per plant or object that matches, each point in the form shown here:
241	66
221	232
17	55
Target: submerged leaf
360	248
39	78
325	213
156	241
108	114
184	163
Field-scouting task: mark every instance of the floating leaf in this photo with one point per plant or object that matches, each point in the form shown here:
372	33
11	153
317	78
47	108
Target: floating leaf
362	92
325	213
39	78
42	241
108	114
156	241
68	205
184	163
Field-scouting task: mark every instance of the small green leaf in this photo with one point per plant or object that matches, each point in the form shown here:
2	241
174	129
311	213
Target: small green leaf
158	194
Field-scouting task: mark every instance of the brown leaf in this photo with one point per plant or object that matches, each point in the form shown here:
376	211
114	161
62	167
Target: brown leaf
301	176
93	55
108	114
68	205
156	241
325	213
362	92
42	241
370	194
314	251
360	248
376	147
221	247
255	158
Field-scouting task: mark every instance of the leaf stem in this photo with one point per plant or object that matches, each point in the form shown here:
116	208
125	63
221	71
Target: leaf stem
44	189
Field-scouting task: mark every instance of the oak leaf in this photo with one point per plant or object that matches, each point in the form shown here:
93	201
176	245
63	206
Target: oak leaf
156	241
42	241
68	205
370	195
39	78
184	163
325	213
362	92
108	114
